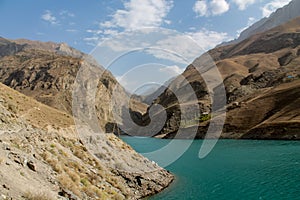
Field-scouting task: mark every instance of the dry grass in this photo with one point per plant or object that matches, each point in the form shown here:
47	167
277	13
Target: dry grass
37	114
69	184
56	166
36	196
76	169
76	176
73	175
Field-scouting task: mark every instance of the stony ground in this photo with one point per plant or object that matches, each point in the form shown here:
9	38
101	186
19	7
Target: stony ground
42	157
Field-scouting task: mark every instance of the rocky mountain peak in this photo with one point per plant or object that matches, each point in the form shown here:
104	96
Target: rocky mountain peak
65	49
279	17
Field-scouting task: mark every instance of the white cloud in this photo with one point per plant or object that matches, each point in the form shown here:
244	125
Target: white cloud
110	32
139	78
269	8
210	8
107	24
92	41
162	44
177	48
251	21
139	14
219	7
136	15
188	46
200	8
49	17
168	22
243	4
172	70
208	39
91	38
94	31
66	13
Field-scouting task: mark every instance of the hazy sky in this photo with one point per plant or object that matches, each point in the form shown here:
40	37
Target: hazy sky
84	24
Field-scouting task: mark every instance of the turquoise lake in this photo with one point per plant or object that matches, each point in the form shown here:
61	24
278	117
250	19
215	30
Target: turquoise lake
235	169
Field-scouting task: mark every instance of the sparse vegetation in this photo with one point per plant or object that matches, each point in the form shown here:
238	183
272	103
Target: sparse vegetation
205	118
73	175
38	196
69	184
85	182
119	166
45	137
12	108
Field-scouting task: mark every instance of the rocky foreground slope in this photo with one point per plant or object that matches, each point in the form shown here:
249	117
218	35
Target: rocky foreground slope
42	157
260	76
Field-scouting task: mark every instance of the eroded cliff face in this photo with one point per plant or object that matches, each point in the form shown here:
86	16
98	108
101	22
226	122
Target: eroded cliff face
47	71
253	72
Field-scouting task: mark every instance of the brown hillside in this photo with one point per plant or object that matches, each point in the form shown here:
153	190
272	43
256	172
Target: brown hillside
252	70
47	71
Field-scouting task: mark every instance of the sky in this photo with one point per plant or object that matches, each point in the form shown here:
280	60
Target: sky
86	24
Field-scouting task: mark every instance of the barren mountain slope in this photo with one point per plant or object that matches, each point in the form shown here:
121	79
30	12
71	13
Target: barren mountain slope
47	71
41	156
250	69
272	114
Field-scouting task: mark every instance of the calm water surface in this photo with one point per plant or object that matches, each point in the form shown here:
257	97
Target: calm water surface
235	169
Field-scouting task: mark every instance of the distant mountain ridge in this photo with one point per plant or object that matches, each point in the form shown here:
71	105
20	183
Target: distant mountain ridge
279	17
60	48
9	47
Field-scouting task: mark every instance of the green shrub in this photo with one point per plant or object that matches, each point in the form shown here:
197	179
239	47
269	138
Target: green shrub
205	118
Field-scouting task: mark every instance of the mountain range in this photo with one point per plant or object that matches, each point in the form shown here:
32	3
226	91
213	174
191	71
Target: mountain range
42	156
260	75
